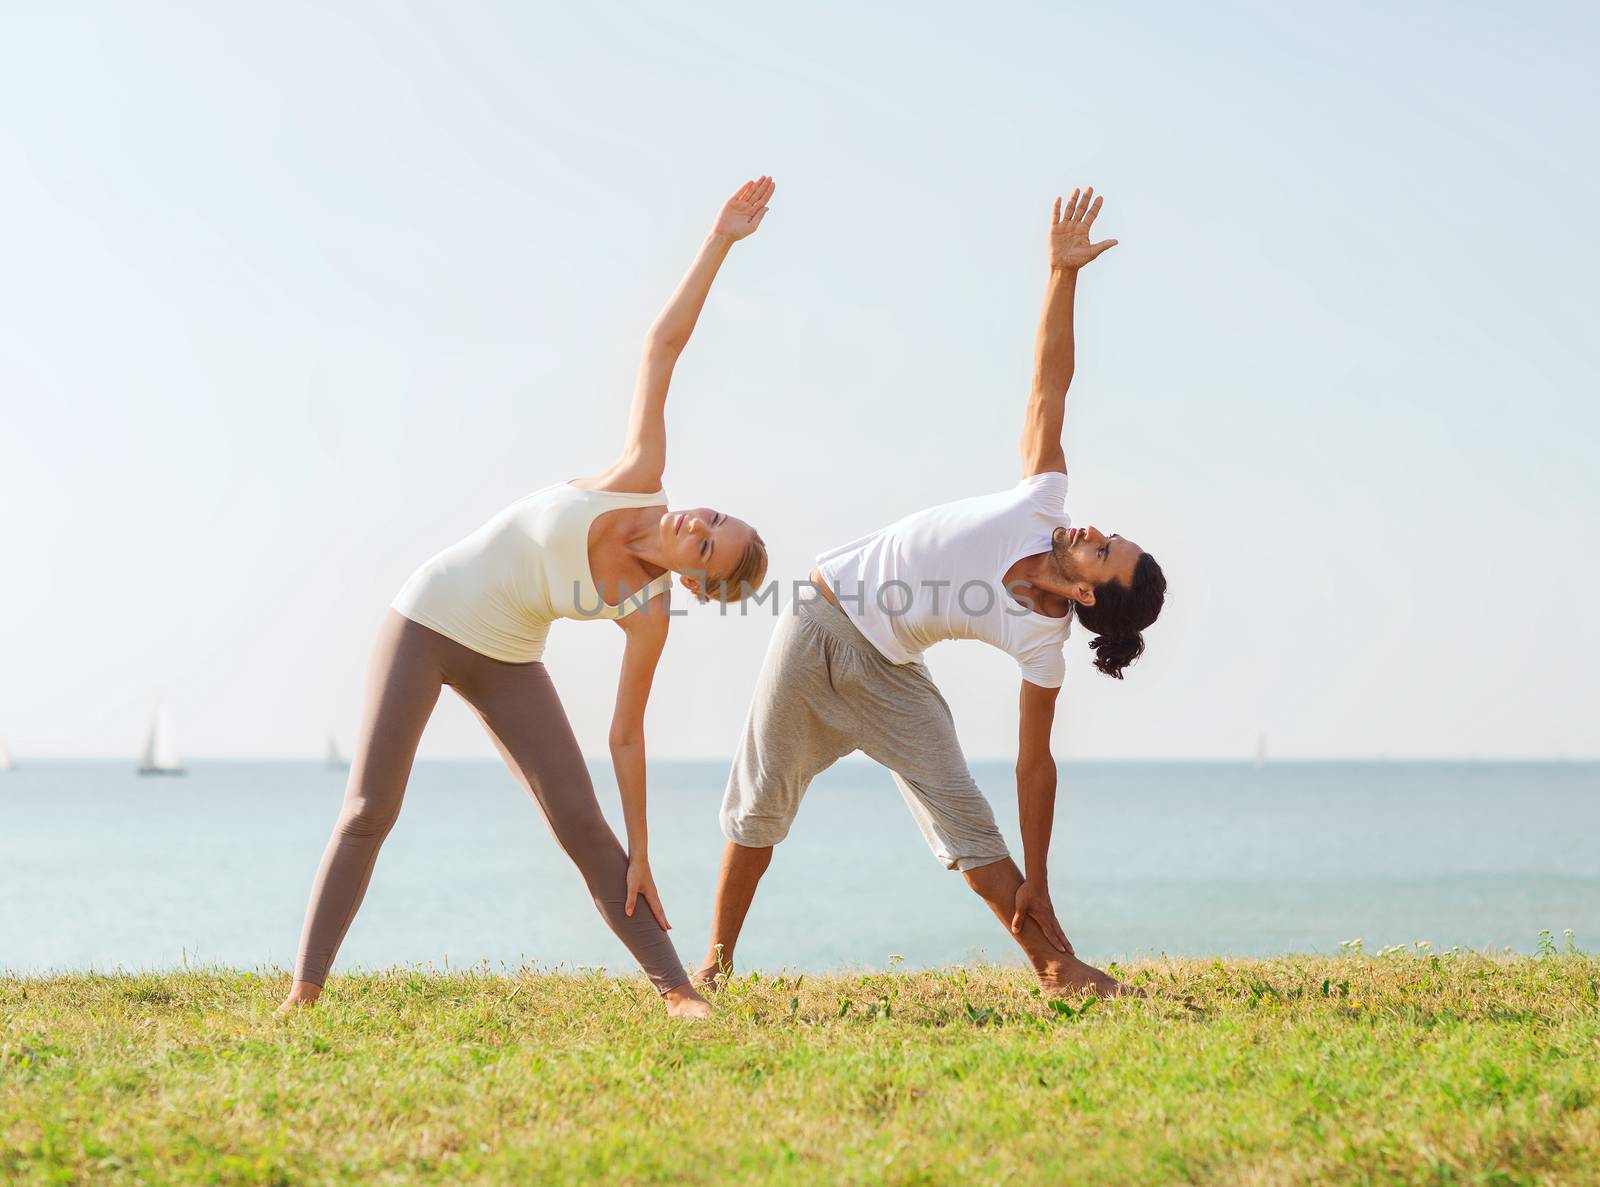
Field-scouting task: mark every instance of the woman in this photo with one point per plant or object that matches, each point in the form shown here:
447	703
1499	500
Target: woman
475	617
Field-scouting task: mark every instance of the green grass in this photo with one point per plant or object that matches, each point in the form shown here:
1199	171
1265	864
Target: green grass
1398	1068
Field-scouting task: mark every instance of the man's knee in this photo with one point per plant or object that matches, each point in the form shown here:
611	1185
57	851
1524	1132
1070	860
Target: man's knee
752	833
972	865
754	858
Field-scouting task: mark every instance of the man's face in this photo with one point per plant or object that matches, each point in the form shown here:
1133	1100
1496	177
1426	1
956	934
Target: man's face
1089	558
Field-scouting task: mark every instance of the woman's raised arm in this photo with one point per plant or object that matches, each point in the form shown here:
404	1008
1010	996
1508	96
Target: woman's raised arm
644	453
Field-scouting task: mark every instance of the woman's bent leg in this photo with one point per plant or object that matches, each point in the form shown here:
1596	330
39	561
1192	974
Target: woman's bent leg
519	705
404	676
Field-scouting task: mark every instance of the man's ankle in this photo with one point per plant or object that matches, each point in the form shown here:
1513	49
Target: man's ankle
714	970
1053	966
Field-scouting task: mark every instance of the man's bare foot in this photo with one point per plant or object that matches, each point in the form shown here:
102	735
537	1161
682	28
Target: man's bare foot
711	976
1069	976
301	993
686	1002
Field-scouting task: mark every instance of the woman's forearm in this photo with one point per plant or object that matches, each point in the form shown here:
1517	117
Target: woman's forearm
676	322
628	761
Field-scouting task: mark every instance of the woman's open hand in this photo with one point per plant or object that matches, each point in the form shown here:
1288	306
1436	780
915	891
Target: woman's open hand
642	885
743	212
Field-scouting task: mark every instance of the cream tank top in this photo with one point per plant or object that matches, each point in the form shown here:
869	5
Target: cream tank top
499	590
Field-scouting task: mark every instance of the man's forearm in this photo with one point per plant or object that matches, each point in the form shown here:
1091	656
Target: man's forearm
1036	811
1052	375
1055	350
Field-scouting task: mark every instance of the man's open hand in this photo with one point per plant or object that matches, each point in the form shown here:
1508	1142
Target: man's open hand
1069	231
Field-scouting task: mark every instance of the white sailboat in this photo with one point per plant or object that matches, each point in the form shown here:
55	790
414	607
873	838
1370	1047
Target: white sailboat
160	756
335	761
1261	751
5	757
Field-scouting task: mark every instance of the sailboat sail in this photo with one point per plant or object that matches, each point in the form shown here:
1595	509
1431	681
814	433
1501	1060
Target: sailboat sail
160	755
5	756
335	761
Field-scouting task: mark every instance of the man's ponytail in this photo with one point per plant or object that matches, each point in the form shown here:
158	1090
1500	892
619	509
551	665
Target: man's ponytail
1112	655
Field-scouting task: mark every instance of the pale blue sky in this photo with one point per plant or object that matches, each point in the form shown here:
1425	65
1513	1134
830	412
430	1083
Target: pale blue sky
293	296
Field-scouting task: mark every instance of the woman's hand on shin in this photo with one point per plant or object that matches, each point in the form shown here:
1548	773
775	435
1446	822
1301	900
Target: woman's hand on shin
642	885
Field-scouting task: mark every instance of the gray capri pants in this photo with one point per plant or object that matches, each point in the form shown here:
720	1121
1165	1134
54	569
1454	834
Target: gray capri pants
825	692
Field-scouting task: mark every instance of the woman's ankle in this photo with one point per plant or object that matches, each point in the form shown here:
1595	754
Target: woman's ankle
684	1001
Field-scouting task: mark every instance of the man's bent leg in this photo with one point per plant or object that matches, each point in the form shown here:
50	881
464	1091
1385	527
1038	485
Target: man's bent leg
742	867
1059	972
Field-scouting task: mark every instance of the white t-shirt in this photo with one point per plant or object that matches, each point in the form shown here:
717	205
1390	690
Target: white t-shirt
939	574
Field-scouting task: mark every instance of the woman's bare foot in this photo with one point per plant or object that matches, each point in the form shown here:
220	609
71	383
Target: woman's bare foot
1069	976
301	993
686	1002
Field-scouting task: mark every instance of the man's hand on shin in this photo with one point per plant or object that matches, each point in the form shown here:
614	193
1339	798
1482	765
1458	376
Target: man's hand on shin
1033	902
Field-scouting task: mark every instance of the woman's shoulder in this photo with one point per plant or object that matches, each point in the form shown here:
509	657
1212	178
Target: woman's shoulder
612	489
625	479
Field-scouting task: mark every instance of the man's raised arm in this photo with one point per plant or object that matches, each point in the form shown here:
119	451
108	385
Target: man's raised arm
1070	250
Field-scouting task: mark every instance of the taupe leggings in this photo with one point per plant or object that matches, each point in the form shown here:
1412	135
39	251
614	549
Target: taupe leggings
518	705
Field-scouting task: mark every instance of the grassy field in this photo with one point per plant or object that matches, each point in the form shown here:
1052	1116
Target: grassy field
1397	1068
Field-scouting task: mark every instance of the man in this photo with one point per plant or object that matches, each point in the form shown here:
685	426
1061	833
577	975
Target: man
844	670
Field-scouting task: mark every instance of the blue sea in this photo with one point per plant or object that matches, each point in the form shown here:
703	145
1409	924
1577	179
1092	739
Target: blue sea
102	869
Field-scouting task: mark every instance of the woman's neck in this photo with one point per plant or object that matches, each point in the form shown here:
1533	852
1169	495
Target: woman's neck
639	536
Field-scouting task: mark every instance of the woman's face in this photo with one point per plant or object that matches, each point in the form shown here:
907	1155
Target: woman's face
703	543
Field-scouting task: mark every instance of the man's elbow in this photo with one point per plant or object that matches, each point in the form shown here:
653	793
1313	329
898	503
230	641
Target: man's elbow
1037	772
1051	383
664	344
1038	459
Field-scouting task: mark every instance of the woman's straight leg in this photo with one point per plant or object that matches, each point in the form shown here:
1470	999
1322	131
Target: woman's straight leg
404	676
519	706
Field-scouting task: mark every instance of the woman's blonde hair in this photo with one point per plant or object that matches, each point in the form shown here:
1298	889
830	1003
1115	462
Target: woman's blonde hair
746	577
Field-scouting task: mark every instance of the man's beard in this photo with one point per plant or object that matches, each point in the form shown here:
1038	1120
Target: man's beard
1063	563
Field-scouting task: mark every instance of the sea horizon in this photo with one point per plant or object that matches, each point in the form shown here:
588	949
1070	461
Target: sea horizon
861	760
1201	857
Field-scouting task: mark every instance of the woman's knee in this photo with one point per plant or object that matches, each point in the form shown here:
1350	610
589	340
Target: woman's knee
591	844
585	836
368	816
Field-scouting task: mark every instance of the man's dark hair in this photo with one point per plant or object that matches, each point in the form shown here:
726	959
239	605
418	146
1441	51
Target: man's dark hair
1120	612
